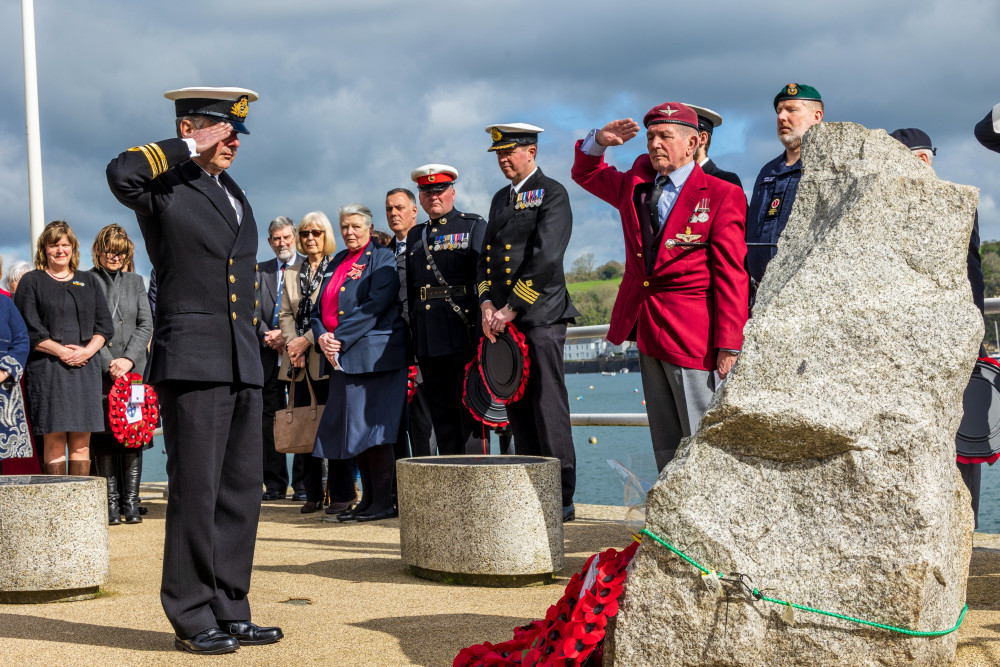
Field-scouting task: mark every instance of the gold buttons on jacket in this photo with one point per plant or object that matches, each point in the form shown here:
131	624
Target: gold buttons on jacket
234	316
233	298
487	246
507	247
487	258
230	261
508	270
255	321
256	267
443	221
434	229
487	270
508	282
428	306
645	283
340	313
506	259
256	303
256	284
638	254
232	278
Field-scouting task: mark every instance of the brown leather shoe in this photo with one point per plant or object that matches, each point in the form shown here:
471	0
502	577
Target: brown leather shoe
80	468
337	508
309	507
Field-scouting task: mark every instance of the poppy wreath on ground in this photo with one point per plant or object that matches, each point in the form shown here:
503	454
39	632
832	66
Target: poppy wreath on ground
573	630
981	459
137	433
512	335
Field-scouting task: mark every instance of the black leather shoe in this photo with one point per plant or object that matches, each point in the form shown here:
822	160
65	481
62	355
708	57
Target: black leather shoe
298	496
347	515
569	513
375	516
250	634
309	507
273	495
208	642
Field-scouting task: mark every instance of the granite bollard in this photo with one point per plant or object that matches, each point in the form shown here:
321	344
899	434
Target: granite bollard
53	538
481	520
825	466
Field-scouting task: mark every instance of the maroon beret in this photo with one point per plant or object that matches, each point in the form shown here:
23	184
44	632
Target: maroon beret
671	112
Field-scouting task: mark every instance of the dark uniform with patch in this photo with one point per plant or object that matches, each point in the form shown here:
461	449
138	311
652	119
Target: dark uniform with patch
522	267
444	340
712	169
205	365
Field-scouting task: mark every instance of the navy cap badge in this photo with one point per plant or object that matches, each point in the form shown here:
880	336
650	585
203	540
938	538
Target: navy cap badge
792	89
497	134
240	107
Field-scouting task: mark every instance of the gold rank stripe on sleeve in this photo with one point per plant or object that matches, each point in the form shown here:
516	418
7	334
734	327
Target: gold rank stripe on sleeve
157	160
483	288
522	290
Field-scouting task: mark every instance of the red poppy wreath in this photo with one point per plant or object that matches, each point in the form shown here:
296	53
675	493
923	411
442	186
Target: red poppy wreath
140	432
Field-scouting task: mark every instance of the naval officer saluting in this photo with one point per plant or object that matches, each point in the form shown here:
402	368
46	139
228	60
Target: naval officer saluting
201	239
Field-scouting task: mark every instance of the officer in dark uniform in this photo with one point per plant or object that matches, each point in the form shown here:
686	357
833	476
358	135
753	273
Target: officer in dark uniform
441	259
798	108
521	281
201	239
708	120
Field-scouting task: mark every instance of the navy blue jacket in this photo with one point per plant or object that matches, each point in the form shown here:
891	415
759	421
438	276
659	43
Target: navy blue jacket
13	339
776	182
370	328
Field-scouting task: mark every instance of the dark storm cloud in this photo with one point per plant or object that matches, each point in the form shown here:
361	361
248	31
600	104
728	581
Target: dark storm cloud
356	94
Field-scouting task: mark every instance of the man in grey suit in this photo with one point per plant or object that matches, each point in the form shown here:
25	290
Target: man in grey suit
201	239
281	238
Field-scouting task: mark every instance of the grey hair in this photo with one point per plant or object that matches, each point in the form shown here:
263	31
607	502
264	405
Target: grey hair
402	191
279	223
198	122
357	209
925	151
17	271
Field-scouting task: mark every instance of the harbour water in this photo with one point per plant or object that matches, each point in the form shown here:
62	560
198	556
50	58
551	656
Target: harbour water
597	483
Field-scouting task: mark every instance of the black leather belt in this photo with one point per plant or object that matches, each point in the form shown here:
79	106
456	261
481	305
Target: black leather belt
443	292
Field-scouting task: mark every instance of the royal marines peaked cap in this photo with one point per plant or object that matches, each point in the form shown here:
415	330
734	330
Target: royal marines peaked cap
913	139
227	105
797	91
708	120
509	135
671	112
434	177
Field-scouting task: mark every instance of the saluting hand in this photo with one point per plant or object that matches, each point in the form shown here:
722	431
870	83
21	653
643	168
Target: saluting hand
209	136
617	132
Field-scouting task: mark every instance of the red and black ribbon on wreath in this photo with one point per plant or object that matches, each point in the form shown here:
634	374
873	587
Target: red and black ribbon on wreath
573	630
139	432
505	365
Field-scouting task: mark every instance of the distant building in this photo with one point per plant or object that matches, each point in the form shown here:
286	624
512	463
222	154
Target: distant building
592	348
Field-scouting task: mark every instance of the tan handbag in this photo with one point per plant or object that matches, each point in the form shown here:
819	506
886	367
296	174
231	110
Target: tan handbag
295	428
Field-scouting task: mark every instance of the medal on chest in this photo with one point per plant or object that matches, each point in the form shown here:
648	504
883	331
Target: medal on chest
529	199
701	212
451	242
687	236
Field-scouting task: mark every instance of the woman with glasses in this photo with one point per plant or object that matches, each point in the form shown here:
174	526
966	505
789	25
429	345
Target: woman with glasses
125	352
316	240
68	323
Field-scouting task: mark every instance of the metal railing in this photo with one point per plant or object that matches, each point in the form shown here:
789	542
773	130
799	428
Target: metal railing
603	419
992	306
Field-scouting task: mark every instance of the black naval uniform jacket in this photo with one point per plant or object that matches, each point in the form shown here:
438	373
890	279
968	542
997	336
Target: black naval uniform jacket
455	241
521	264
712	169
205	263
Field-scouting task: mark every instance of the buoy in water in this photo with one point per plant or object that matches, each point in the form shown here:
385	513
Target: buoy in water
579	397
591	386
644	402
635	391
593	440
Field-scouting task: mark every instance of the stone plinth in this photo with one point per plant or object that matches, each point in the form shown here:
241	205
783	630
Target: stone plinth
481	520
825	466
53	537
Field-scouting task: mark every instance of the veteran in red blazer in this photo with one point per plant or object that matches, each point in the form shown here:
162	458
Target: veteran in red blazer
684	294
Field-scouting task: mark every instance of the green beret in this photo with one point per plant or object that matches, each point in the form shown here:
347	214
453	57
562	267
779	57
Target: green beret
797	91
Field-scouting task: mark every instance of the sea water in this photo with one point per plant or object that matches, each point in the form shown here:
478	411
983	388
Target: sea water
596	482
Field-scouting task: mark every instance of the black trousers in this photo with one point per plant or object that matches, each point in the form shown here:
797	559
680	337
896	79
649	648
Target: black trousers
212	437
418	424
455	429
275	465
539	420
972	475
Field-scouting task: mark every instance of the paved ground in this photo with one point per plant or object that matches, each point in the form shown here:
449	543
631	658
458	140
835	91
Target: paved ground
343	597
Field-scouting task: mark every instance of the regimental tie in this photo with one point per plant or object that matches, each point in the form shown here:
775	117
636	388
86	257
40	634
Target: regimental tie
654	203
277	299
513	193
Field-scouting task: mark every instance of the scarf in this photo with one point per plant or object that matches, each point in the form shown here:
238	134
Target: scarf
307	285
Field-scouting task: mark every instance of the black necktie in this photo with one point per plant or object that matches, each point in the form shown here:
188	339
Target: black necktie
513	193
654	203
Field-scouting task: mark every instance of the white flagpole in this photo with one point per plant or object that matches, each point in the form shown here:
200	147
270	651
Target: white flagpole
32	128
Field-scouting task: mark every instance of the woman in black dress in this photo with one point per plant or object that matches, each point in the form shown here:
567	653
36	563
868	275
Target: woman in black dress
68	323
124	353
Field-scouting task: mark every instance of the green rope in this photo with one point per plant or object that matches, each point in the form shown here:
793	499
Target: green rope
760	596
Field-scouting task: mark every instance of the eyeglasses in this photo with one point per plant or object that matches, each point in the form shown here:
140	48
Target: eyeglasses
114	255
315	233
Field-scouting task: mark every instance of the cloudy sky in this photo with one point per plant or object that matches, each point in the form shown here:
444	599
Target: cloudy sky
355	94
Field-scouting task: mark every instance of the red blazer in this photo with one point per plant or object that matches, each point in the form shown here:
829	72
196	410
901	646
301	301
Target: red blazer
695	299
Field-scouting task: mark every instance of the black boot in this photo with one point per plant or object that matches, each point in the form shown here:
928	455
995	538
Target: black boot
105	466
131	475
381	471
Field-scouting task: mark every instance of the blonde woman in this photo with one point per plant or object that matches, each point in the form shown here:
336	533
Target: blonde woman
68	323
